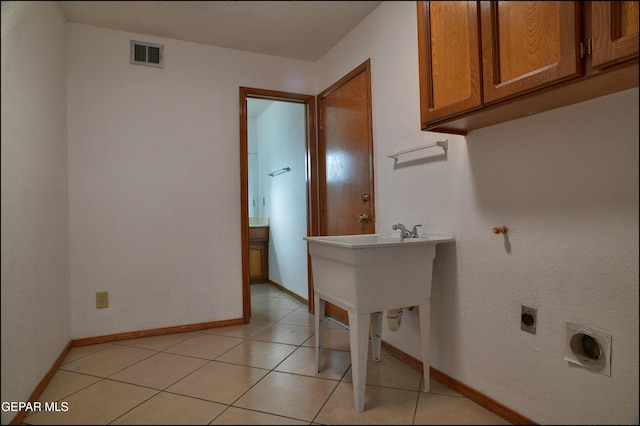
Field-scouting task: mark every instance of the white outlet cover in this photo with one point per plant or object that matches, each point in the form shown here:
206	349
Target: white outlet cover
601	365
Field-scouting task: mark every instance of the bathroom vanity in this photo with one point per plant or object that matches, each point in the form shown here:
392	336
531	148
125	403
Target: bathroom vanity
258	250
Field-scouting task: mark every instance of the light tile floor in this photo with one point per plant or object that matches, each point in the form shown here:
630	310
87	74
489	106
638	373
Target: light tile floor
259	373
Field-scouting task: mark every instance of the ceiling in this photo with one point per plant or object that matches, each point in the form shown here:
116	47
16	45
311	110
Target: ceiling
304	30
255	107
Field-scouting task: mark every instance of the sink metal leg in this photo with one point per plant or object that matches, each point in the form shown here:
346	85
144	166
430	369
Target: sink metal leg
376	333
319	329
358	338
425	336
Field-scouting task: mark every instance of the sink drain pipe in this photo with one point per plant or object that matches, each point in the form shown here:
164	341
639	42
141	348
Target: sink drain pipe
394	318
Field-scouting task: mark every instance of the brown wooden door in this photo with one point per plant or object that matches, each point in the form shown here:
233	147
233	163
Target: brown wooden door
345	156
614	27
527	45
345	161
448	58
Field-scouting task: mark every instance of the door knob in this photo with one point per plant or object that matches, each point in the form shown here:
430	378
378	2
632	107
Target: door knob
364	197
363	218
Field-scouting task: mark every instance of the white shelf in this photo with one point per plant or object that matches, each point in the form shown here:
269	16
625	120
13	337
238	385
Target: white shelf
442	144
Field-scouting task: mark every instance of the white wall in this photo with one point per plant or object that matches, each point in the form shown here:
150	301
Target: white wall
282	143
153	161
36	322
253	172
565	182
154	178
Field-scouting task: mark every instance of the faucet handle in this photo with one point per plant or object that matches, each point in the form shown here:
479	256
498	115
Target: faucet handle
414	231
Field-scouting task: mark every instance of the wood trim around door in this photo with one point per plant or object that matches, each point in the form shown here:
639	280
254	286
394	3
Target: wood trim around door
310	115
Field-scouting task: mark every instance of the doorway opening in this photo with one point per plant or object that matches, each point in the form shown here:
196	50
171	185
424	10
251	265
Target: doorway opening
277	184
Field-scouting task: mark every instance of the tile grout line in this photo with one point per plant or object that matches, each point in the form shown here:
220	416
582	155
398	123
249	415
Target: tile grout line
273	370
241	340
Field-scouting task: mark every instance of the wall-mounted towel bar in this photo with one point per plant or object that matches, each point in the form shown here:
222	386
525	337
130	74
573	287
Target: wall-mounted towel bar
278	172
442	144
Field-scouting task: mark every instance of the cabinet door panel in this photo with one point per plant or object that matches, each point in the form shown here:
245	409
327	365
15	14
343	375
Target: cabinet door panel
258	262
449	58
527	45
615	32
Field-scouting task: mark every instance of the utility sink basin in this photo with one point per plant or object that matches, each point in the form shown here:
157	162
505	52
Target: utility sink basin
373	272
366	275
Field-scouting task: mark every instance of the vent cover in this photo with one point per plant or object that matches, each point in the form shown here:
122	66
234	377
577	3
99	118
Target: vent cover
149	54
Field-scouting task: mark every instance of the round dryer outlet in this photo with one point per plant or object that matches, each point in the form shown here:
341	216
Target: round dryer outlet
588	347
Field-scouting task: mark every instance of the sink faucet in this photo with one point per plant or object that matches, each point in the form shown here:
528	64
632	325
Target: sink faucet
404	232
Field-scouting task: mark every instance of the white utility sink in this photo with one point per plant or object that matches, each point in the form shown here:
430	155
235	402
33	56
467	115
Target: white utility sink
366	275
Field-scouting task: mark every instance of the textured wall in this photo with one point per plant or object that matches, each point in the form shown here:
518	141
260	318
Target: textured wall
565	182
36	322
154	179
154	207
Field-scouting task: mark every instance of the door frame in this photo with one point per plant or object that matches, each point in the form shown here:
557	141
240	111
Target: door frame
311	177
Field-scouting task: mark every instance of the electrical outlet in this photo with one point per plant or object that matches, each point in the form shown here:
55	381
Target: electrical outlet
102	299
528	319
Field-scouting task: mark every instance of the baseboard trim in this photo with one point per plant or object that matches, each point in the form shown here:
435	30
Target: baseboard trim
18	419
289	292
154	332
37	392
475	396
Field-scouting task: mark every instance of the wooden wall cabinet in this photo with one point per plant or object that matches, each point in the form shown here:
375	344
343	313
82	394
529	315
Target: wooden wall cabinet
449	59
487	62
258	254
614	32
527	45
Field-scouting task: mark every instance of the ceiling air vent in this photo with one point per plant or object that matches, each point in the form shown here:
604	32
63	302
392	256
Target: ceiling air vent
149	54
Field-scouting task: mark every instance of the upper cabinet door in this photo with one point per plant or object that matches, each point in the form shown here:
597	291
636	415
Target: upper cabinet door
449	59
527	45
614	32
